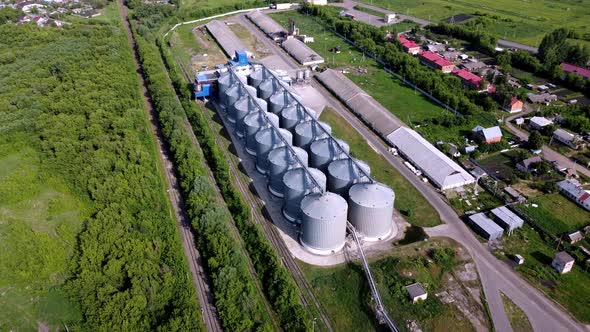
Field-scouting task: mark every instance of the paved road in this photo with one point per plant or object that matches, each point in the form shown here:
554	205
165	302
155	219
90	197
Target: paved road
548	153
195	261
371	19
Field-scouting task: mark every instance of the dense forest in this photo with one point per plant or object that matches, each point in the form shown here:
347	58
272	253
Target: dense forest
104	254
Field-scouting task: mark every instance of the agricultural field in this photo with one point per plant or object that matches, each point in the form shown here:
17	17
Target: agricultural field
556	214
521	21
500	164
408	201
345	293
572	290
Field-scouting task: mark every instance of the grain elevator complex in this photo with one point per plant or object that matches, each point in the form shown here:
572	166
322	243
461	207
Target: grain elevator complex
322	187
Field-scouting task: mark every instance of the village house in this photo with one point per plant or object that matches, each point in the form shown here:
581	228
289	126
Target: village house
539	122
562	262
409	46
528	164
574	237
488	135
513	106
573	190
473	65
541	98
566	138
470	80
435	61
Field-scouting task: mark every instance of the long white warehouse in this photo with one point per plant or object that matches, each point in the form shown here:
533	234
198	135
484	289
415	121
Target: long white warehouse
301	52
439	168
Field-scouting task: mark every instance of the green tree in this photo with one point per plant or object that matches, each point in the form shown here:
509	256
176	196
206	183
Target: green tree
536	140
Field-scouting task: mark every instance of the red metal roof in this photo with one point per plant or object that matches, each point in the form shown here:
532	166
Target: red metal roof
433	57
409	44
514	101
584	196
569	68
466	75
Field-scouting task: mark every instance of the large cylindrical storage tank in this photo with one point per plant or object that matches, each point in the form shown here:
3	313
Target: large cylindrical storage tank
268	87
279	100
242	108
294	114
257	76
323	223
310	131
223	83
324	151
297	183
343	173
370	210
253	123
266	140
280	161
233	95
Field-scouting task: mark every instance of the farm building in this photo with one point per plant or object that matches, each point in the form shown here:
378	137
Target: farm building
514	106
541	98
507	219
409	46
435	61
528	164
574	191
469	79
562	262
574	237
572	69
485	226
225	37
301	52
270	27
488	135
538	122
363	105
439	168
417	292
567	138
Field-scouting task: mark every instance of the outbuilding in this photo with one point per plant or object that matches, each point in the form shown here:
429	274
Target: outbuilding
485	226
417	292
563	262
507	219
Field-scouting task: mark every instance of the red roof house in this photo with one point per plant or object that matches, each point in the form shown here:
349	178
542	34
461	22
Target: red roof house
569	68
469	79
435	61
514	106
409	46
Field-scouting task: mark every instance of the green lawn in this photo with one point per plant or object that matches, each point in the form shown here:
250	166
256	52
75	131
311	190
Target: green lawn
556	214
39	220
572	290
522	21
345	294
408	200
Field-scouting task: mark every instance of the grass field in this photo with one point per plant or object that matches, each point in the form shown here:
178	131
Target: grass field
522	21
345	294
557	214
408	200
517	317
39	221
572	290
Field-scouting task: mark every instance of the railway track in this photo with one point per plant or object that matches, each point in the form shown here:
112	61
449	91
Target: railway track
307	296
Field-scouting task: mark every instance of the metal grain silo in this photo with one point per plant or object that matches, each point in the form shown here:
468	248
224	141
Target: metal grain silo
266	140
279	100
268	87
370	210
294	114
223	83
343	173
258	76
233	95
280	161
308	132
242	108
323	223
324	151
255	122
298	183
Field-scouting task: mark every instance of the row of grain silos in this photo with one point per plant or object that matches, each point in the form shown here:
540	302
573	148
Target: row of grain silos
321	186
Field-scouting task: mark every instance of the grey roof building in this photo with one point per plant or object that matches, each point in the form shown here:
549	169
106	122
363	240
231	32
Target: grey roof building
273	29
440	169
473	65
301	52
507	219
485	226
225	37
416	292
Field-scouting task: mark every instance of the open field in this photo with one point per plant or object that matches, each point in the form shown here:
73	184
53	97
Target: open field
408	201
572	290
517	317
556	214
499	164
522	21
195	48
345	293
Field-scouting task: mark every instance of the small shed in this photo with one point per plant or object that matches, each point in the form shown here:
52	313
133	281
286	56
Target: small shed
416	292
574	237
563	262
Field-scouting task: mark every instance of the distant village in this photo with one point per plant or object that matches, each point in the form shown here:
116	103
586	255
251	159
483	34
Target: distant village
53	12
